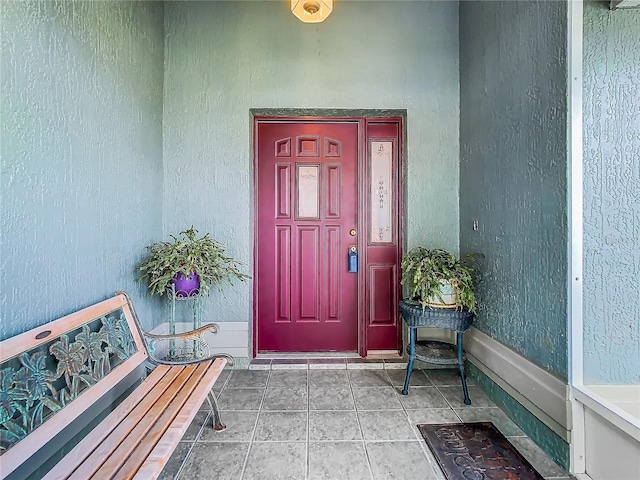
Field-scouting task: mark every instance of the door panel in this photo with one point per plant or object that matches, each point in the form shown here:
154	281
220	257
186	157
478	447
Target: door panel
382	282
283	278
307	202
382	243
308	273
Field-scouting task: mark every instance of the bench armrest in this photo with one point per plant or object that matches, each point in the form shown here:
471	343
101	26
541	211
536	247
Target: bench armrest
229	359
213	327
198	347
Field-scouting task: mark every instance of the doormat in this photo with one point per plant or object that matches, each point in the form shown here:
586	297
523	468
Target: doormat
476	451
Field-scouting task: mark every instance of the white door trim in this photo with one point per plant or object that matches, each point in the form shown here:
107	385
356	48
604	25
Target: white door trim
575	198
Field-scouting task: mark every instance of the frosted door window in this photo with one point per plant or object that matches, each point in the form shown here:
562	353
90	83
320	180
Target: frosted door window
380	192
308	191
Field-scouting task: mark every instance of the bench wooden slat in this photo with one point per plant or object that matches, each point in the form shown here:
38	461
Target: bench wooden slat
146	444
143	410
144	467
164	448
162	376
154	464
154	422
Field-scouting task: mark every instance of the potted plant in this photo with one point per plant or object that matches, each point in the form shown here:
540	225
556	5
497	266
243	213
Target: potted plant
438	279
190	263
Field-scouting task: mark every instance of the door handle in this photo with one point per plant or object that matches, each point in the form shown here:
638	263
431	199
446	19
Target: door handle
353	259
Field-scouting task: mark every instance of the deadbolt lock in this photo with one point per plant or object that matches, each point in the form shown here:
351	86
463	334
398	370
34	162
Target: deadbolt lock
353	232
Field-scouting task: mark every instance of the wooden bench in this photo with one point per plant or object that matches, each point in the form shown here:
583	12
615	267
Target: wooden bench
51	375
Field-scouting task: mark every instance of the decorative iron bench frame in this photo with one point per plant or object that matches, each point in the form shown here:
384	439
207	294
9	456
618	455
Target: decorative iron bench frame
51	375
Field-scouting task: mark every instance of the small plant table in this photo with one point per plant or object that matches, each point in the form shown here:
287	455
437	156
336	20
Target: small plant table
438	353
191	299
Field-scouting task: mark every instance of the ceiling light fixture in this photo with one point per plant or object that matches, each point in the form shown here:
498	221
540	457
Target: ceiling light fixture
312	11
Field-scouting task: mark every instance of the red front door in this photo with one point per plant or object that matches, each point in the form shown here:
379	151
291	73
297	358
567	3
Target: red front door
307	219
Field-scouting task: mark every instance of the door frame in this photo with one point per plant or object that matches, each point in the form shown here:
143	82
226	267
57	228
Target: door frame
362	117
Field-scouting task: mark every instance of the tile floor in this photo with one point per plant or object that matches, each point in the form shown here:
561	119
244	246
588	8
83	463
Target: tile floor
334	424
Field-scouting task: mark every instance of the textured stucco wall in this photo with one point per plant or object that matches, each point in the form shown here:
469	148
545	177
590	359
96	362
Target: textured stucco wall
513	180
224	58
81	154
611	101
513	171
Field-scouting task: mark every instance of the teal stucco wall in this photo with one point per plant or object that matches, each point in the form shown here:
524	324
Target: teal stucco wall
513	166
611	106
81	153
513	171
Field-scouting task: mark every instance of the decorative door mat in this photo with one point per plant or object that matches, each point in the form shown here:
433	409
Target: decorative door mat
476	451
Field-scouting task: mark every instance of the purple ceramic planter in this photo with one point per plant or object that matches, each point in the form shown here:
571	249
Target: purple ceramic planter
185	286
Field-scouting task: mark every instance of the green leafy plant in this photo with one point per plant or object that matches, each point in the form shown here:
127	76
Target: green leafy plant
186	254
424	271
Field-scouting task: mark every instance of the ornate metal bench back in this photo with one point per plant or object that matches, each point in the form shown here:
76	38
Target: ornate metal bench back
61	362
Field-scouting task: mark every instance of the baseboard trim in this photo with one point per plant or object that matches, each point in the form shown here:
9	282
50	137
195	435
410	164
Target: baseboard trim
543	394
232	338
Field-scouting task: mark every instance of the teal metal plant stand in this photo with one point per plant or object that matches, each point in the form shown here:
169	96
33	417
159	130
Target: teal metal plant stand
192	301
429	351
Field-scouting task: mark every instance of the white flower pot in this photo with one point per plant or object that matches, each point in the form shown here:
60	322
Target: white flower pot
448	294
